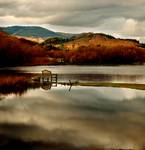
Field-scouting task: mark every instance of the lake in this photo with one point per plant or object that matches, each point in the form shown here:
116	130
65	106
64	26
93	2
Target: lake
131	74
80	118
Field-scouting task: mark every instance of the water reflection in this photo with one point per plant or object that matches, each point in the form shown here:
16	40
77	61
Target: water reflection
20	83
46	86
132	74
85	118
102	78
33	115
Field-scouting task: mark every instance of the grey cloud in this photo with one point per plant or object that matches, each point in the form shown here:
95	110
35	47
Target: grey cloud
36	8
75	13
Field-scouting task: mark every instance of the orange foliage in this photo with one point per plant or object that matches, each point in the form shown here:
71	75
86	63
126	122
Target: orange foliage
14	51
101	55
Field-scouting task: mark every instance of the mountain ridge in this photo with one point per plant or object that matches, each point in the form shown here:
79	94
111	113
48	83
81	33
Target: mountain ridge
33	31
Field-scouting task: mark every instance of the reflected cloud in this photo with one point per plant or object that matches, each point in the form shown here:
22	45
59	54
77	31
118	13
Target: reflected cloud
85	118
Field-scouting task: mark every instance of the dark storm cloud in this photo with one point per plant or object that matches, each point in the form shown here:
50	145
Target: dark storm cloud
77	13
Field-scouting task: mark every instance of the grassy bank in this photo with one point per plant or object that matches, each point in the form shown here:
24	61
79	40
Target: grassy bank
107	84
16	83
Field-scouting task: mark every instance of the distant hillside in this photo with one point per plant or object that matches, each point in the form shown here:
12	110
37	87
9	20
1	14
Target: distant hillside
96	48
66	35
33	39
98	40
83	49
1	29
94	40
30	31
33	31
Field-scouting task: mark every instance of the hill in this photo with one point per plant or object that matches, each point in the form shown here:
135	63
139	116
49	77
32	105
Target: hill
30	31
96	48
33	31
1	29
98	40
16	52
33	39
91	39
83	49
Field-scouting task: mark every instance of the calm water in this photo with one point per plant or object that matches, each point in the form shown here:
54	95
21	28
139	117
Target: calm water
122	70
85	118
131	74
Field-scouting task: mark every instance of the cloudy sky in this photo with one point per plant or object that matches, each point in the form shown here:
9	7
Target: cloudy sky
122	18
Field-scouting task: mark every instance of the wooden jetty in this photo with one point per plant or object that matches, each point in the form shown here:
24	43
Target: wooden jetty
48	77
